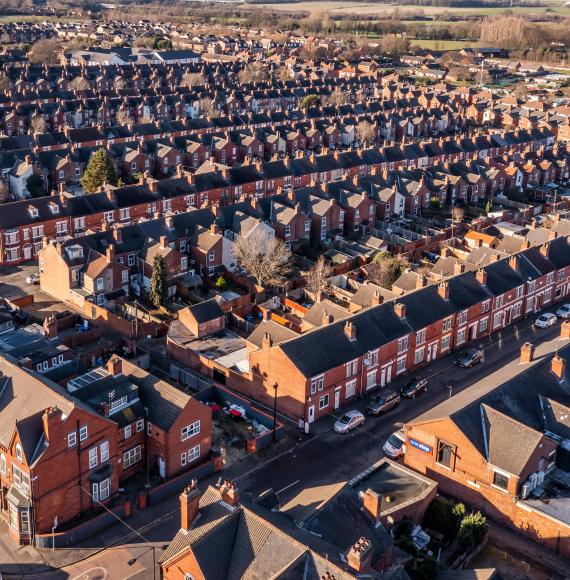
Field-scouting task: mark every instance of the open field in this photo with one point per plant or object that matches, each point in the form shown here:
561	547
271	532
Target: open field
443	44
373	9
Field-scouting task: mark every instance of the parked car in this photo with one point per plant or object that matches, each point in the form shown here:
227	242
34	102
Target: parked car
413	387
33	278
563	311
394	447
381	403
349	421
471	357
545	320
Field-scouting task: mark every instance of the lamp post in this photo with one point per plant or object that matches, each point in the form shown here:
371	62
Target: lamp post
133	561
275	387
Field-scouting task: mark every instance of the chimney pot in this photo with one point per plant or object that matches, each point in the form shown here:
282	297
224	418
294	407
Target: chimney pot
189	505
558	367
527	353
115	366
230	493
350	330
400	310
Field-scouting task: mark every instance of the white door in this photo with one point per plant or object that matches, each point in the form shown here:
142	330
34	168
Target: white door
337	398
27	252
473	332
432	351
371	379
161	468
385	375
311	416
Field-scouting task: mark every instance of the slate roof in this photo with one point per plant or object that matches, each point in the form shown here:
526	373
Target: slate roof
205	311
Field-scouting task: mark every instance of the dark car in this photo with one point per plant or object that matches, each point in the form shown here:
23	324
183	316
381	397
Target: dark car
381	403
469	358
413	387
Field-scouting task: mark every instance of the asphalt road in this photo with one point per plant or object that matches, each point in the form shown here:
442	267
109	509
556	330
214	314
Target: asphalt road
332	458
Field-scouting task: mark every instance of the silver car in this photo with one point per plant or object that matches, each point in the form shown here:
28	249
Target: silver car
349	421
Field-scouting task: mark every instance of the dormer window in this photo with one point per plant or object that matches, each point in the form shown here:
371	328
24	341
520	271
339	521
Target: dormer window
33	211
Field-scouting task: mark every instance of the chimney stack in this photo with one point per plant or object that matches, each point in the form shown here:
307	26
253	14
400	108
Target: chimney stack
115	366
372	505
481	276
400	310
189	505
230	493
326	319
50	327
458	268
359	557
443	289
350	330
565	330
527	353
421	281
377	298
558	367
110	253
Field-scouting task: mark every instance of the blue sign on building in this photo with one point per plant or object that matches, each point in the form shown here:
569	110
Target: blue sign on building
419	445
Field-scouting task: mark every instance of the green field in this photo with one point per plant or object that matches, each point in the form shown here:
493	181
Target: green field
443	44
372	9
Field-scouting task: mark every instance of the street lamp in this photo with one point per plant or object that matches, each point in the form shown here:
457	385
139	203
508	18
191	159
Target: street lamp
133	561
275	387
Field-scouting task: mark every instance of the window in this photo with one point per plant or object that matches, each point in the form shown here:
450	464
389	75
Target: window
483	324
148	429
61	227
72	439
350	388
287	230
351	368
93	457
461	336
419	355
131	260
193	453
560	275
485	306
83	434
401	365
497	319
104	451
520	291
211	255
183	263
140	425
403	344
444	454
19	453
124	276
100	283
500	480
101	491
446	325
445	342
2	464
462	317
307	226
324	402
190	430
24	522
317	383
108	216
128	431
421	336
131	456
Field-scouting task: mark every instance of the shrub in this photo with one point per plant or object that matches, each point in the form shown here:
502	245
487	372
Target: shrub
458	510
439	516
407	544
471	530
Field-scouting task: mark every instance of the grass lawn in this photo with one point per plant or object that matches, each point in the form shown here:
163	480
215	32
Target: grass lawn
431	44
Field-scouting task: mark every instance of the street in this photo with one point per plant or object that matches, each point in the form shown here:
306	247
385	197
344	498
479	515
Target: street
324	459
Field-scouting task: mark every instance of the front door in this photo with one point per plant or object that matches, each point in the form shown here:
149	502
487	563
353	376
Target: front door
386	375
311	415
27	252
337	398
371	379
431	351
473	332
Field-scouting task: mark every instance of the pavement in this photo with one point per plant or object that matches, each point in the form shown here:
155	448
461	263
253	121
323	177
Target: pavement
312	464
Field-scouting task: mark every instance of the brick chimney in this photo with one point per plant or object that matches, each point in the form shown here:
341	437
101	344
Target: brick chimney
377	298
50	327
350	330
359	557
527	352
117	234
458	268
481	276
443	289
372	504
115	366
514	262
558	367
326	318
230	493
565	330
163	241
189	505
421	281
266	341
110	253
400	310
544	250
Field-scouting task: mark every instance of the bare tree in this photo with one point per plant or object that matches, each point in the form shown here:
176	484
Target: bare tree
366	132
457	215
123	117
208	107
266	259
190	80
80	84
336	99
385	269
253	73
45	51
318	277
38	124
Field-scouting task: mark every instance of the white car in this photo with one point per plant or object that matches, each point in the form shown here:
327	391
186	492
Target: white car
33	278
349	421
563	311
395	447
545	320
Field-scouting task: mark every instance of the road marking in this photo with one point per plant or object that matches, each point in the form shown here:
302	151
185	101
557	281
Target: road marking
87	574
288	486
